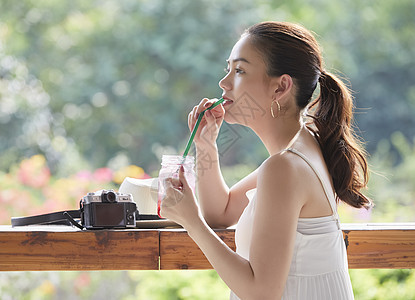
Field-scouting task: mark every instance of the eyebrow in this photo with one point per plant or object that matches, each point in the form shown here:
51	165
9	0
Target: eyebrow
238	59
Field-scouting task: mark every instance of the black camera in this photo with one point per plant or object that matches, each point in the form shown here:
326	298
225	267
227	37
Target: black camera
108	209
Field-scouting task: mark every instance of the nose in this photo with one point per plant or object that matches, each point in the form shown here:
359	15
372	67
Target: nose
225	83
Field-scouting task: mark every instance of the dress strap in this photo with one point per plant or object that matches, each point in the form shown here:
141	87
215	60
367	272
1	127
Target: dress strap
329	195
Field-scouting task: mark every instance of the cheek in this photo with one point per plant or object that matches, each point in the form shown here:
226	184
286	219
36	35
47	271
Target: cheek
242	84
254	89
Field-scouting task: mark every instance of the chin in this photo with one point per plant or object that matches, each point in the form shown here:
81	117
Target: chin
229	119
233	121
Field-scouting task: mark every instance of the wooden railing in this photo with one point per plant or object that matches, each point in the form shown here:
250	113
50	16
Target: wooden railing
64	248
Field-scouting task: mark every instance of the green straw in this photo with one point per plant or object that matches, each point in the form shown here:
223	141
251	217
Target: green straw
192	136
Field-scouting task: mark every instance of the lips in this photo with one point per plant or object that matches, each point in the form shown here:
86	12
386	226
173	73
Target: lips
227	101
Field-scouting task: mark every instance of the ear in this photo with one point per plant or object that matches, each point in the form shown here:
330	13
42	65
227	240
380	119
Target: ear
282	86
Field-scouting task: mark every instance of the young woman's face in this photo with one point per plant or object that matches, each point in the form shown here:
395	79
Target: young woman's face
246	85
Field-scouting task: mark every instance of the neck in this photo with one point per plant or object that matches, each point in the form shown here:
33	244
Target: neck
279	134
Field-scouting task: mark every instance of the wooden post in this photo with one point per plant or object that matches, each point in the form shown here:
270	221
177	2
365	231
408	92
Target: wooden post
179	251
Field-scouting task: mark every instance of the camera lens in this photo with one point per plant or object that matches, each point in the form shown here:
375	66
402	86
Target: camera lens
108	196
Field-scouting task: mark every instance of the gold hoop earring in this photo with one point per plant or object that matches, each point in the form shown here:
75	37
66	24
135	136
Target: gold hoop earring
272	109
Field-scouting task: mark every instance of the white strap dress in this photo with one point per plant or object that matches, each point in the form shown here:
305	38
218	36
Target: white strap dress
319	269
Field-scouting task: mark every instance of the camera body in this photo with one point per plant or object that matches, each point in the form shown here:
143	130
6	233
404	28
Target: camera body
108	209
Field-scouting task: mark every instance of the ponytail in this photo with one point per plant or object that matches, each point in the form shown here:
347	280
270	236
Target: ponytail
345	159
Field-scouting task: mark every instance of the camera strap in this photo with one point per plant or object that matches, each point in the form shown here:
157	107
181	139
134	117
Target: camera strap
66	217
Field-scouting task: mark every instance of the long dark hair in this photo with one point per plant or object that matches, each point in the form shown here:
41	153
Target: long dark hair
291	49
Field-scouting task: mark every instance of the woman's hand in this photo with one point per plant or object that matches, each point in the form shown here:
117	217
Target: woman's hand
179	203
210	124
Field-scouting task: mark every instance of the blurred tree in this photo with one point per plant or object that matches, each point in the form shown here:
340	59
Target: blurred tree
119	77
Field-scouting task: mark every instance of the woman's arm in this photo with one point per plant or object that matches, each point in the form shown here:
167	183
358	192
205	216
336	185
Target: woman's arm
263	276
221	206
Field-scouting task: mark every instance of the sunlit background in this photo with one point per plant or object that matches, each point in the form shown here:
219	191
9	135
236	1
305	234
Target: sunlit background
94	91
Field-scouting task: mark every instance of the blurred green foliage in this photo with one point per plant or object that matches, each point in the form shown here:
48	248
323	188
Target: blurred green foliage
176	285
103	85
111	82
120	76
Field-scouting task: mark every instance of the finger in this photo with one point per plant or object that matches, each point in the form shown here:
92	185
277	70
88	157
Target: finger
201	107
210	118
176	183
168	186
194	116
214	118
194	113
209	103
190	122
183	180
172	197
218	110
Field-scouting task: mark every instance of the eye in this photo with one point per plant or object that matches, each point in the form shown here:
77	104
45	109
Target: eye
237	70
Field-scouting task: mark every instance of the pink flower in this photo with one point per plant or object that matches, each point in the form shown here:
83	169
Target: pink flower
146	176
33	172
84	175
82	281
103	175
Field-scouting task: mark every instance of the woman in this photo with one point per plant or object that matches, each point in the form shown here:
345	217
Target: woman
288	237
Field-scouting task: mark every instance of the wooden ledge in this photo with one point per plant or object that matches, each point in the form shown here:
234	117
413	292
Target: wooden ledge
53	248
380	246
369	246
62	248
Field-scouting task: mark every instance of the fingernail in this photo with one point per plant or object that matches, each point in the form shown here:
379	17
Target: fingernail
182	168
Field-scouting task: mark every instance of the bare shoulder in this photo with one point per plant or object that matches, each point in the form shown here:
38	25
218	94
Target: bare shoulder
279	177
281	164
